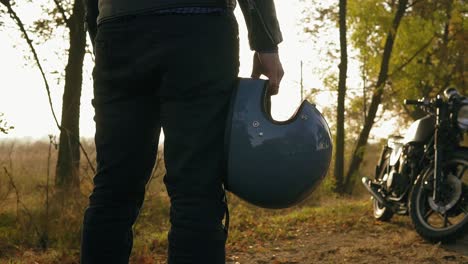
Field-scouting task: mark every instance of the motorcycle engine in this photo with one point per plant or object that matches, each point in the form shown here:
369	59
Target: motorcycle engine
396	182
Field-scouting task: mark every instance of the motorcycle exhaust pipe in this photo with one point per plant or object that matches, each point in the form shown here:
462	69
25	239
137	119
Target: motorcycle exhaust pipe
372	188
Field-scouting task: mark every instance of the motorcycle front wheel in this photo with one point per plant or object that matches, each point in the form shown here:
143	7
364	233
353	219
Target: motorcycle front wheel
448	219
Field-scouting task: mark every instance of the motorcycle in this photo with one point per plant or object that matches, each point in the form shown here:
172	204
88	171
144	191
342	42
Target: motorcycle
424	174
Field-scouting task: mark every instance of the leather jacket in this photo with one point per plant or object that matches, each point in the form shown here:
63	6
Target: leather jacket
260	15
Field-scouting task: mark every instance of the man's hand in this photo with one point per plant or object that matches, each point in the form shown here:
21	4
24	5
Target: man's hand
269	65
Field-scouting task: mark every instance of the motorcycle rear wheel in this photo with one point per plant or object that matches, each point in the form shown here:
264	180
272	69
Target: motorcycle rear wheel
381	212
434	225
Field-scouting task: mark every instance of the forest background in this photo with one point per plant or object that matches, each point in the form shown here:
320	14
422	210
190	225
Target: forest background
358	60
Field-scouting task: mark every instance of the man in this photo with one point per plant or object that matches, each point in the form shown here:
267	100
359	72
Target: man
170	64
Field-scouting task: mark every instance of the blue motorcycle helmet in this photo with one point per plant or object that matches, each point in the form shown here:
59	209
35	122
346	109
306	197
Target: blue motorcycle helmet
273	164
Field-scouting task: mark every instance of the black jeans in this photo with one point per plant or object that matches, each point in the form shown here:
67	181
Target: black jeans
175	72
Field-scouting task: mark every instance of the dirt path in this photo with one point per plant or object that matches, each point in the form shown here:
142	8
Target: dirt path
341	231
381	243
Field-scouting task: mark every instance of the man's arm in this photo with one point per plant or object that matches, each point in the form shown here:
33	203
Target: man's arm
264	37
264	30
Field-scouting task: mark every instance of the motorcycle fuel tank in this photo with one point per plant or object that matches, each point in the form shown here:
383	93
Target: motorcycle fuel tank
420	131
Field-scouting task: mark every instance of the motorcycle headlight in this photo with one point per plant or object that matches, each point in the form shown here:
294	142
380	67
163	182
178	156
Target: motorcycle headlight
462	117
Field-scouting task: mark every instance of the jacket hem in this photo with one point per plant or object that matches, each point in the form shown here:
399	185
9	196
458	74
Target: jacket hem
107	15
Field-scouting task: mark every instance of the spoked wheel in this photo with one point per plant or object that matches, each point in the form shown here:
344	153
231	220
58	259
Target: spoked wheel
448	219
381	212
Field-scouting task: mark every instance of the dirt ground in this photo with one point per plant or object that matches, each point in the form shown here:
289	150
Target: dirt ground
342	231
393	242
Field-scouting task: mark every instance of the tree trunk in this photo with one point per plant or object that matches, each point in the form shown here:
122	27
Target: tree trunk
67	170
340	113
446	77
359	150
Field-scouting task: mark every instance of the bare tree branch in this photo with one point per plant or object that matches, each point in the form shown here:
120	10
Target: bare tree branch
22	28
20	24
62	11
423	47
415	2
